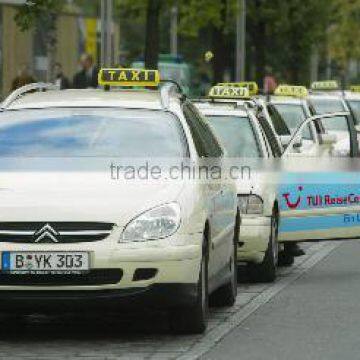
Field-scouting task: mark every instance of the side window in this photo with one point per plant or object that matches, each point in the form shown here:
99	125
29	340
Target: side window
268	151
269	133
210	145
278	122
194	132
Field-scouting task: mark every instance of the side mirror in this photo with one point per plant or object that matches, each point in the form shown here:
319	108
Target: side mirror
328	139
285	140
307	121
357	128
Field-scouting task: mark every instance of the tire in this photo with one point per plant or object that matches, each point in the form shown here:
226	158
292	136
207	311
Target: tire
193	320
226	295
285	259
266	271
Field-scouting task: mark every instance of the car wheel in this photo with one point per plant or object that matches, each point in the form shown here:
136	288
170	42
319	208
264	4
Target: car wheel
266	271
193	320
226	295
285	259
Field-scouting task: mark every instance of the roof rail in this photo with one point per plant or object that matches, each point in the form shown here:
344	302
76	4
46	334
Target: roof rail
26	89
170	87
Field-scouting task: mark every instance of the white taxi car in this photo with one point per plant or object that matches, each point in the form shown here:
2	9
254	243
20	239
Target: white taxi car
288	108
78	230
352	99
326	98
230	113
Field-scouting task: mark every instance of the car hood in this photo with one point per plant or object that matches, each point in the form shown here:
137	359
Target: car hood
72	196
254	184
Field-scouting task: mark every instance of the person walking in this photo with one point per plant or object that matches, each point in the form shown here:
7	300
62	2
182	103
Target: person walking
60	79
23	78
270	83
87	77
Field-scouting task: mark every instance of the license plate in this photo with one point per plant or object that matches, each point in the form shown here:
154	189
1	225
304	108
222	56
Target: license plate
44	262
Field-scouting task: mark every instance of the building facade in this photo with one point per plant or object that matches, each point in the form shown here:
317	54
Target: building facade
75	34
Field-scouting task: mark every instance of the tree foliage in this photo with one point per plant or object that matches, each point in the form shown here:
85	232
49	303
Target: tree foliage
41	15
281	35
344	32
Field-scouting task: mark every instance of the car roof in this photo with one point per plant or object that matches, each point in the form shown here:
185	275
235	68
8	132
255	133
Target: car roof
141	99
221	108
350	95
285	100
326	96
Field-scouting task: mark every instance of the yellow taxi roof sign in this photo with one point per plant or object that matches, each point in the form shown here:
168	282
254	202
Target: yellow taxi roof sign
252	86
128	77
291	90
325	85
355	88
229	92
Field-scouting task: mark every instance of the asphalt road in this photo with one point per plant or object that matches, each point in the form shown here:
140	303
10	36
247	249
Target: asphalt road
310	312
316	317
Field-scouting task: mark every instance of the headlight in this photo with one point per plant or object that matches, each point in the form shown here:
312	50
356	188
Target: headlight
251	204
154	224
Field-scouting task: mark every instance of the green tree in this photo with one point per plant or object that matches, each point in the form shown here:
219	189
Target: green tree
212	20
344	32
41	14
282	35
152	33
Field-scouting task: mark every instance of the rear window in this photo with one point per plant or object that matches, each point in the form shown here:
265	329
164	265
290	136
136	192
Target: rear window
326	106
293	116
236	135
355	108
91	132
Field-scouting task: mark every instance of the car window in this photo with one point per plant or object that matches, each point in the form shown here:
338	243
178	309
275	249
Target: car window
91	132
268	150
338	123
205	142
271	136
294	115
278	122
325	106
355	109
198	142
212	144
236	134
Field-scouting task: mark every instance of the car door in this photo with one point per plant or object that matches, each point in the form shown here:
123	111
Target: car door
319	198
221	195
291	114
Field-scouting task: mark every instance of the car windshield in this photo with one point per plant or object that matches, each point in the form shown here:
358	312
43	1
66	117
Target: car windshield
90	133
293	115
236	134
355	108
326	106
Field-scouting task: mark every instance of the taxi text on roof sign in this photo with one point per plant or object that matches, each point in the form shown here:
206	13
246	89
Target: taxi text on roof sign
290	90
252	86
355	88
229	92
129	77
325	85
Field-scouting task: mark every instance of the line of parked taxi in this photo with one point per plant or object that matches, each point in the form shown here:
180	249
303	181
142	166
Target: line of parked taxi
74	238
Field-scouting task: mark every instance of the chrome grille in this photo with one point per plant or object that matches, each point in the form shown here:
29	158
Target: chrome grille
50	232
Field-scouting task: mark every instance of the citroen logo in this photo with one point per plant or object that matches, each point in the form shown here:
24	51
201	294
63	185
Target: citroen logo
46	232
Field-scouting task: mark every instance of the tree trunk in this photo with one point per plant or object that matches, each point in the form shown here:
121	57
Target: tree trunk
152	34
219	46
51	55
260	46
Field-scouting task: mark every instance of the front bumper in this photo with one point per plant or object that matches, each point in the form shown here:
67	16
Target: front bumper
156	296
254	238
176	262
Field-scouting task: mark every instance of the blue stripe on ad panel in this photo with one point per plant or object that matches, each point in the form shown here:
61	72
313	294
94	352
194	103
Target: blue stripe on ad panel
319	222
